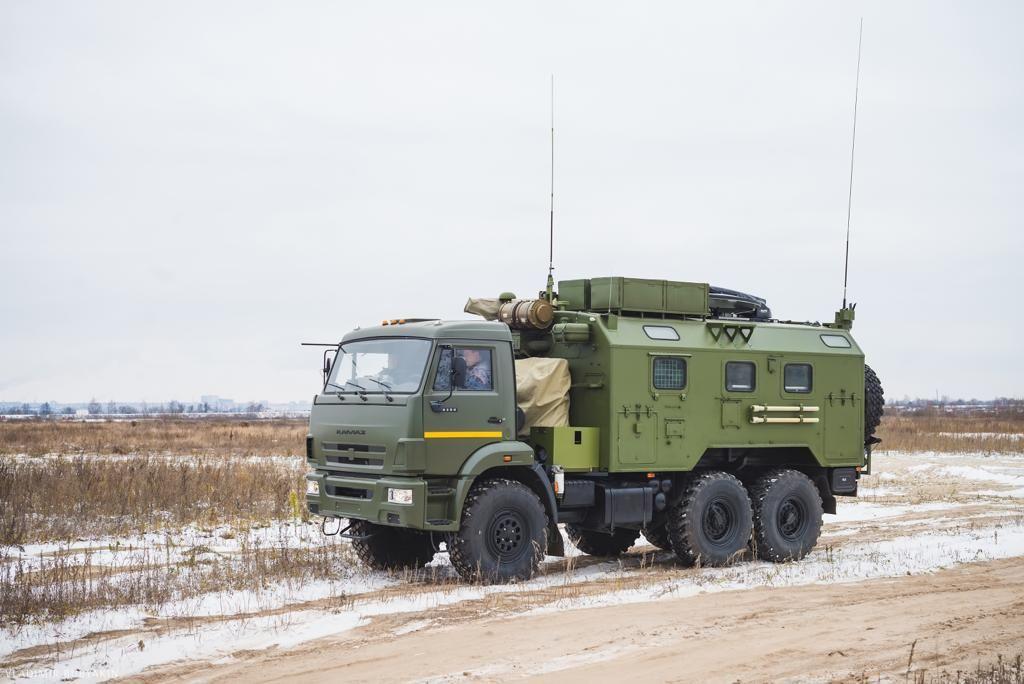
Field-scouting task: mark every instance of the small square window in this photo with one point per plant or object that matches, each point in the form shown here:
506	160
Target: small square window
669	373
797	377
740	376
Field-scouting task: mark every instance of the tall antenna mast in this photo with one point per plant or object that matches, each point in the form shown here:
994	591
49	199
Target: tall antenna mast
853	147
551	218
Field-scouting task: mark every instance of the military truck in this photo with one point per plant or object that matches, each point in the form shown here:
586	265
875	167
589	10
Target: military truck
673	409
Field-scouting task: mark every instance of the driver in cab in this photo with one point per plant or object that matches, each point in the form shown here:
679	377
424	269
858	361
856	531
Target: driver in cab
478	369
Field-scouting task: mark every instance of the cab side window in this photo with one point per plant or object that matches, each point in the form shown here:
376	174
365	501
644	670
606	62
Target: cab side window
473	369
797	377
740	376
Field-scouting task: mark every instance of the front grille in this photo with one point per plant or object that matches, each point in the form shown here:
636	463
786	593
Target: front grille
357	448
338	453
353	460
350	492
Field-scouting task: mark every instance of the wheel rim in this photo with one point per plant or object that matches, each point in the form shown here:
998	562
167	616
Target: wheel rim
718	521
507	535
792	518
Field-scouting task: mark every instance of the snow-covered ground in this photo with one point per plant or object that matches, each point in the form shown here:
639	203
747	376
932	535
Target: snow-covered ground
171	546
978	520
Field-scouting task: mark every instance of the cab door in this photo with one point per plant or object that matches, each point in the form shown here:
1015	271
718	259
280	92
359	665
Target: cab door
468	401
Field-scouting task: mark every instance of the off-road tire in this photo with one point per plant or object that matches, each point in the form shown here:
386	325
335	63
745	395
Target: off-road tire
874	402
595	543
711	523
659	536
787	515
503	535
391	548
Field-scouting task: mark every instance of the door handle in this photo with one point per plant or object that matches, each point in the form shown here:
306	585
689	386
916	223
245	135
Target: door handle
496	420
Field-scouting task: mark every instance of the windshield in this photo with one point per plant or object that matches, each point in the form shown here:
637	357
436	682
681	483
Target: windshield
379	366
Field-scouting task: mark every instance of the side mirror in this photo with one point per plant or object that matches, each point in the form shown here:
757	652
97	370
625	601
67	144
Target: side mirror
327	365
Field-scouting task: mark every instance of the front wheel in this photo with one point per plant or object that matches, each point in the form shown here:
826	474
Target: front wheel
787	515
711	523
503	535
390	548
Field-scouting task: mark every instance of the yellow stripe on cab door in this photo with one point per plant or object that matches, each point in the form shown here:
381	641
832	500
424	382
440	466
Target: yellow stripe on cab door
462	434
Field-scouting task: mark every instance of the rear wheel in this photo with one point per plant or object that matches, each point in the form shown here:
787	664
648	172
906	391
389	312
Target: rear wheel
391	548
503	535
594	543
787	515
711	523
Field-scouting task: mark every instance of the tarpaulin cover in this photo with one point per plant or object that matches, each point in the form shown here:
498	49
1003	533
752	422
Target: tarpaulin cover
482	306
542	391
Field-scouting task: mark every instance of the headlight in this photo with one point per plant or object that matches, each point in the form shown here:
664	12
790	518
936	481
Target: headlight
400	496
313	487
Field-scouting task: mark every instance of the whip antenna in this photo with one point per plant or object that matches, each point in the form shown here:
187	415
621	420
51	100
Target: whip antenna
853	147
551	216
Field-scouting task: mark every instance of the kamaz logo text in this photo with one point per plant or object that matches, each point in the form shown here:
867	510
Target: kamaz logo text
351	432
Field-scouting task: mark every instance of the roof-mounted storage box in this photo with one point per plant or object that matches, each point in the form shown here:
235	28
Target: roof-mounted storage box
638	295
576	293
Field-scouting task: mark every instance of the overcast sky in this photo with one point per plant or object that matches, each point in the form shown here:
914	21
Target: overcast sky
189	190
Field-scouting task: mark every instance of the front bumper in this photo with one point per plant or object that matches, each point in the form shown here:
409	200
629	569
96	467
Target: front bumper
365	498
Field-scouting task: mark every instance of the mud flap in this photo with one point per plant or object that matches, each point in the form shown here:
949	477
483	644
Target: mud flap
556	545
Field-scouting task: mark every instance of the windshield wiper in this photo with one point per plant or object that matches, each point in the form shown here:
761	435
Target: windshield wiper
386	387
341	390
362	390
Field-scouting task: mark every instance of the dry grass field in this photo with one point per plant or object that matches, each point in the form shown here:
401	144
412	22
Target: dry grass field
989	432
107	526
62	480
182	436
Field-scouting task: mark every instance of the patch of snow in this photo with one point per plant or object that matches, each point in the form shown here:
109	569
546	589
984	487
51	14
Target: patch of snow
879	491
971	473
171	546
890	558
414	626
1013	436
863	510
1009	493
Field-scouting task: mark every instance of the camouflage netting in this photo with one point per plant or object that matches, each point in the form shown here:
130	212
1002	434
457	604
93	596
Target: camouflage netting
482	306
542	391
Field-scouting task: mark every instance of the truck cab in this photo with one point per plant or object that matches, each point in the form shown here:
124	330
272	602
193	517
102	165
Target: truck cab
411	415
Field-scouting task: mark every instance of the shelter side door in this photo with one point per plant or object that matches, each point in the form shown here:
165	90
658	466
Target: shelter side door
637	431
668	383
844	431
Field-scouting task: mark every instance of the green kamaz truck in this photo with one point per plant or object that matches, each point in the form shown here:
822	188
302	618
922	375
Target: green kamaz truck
614	406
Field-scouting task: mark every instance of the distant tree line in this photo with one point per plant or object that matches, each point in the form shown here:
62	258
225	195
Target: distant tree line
95	408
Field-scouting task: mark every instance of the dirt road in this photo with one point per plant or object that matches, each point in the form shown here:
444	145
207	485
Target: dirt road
844	631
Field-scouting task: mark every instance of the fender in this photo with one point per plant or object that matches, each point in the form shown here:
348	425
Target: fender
493	456
521	467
